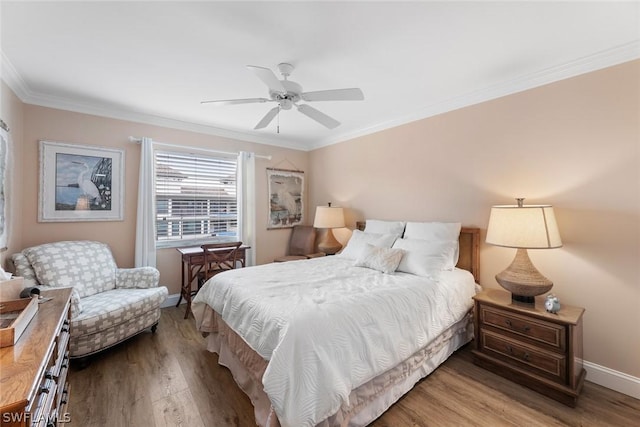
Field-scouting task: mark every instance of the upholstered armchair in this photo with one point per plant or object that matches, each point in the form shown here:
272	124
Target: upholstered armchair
108	304
301	244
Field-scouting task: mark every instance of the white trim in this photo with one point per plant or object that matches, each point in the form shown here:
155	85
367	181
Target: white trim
603	59
172	300
14	80
599	60
615	380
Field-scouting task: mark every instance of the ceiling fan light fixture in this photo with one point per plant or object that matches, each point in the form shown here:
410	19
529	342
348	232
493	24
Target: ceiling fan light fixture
286	104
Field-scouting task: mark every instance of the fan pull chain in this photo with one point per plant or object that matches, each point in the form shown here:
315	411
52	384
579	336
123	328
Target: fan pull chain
278	127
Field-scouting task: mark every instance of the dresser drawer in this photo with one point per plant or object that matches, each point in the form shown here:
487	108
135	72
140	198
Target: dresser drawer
547	364
531	329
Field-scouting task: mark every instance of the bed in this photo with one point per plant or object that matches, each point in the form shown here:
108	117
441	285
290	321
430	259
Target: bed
330	342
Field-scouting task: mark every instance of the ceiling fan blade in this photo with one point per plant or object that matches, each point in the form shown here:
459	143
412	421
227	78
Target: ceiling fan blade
318	116
268	78
351	94
236	101
268	117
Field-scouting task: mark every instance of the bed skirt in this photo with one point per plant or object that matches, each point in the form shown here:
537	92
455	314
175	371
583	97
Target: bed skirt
365	404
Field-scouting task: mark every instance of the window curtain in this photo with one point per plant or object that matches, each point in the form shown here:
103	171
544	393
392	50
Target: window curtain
246	183
5	163
145	222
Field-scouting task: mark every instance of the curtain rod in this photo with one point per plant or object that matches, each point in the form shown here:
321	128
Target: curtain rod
207	150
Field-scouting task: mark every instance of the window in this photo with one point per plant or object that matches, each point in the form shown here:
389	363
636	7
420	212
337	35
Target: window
196	198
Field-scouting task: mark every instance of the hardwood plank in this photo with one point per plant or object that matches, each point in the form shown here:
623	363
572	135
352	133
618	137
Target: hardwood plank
170	379
177	410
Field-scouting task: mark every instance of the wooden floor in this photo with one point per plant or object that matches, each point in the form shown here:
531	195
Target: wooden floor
169	379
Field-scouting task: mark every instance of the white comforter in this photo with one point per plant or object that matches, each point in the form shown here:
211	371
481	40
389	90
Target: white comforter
326	327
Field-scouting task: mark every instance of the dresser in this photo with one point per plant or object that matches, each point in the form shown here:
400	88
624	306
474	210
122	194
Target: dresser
33	373
528	345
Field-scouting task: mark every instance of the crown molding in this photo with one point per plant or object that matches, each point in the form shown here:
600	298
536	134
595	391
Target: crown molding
10	75
599	60
26	95
603	59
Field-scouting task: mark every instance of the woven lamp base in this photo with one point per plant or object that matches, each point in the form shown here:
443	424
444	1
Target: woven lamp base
523	280
329	245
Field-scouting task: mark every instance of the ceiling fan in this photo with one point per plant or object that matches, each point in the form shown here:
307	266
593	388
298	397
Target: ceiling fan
287	93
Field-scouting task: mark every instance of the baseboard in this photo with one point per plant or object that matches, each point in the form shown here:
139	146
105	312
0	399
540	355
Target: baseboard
172	301
601	375
618	381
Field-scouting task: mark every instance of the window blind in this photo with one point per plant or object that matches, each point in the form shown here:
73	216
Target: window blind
196	196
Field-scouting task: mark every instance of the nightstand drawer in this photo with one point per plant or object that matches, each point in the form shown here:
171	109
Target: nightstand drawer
534	330
547	364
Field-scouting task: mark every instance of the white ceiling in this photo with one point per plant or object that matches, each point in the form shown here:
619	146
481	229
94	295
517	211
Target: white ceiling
154	62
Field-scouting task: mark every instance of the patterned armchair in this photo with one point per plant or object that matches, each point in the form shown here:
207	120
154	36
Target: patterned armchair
108	304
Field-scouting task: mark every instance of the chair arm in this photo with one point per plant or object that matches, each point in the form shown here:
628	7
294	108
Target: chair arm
76	305
140	277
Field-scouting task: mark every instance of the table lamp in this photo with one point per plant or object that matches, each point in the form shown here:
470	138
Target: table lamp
523	227
329	217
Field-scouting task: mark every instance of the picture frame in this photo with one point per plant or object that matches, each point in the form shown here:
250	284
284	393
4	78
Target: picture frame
286	198
80	183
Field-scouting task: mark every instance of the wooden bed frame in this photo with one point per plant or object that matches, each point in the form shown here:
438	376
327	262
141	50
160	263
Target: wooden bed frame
469	249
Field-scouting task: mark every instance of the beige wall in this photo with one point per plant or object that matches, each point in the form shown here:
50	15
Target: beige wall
574	144
58	125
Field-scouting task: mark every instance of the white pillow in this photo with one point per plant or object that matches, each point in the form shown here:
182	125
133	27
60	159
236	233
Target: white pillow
381	259
356	245
436	231
384	227
449	231
425	258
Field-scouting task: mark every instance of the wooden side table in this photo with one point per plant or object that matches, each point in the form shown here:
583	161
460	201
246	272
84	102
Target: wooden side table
527	344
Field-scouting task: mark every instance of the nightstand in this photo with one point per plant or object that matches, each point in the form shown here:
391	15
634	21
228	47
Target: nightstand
528	345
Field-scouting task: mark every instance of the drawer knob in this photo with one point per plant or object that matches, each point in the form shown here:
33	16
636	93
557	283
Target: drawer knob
526	356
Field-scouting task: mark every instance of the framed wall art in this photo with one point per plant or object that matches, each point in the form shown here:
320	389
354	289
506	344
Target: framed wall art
286	198
80	183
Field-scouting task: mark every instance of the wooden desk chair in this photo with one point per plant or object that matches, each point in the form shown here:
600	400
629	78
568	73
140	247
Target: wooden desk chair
218	257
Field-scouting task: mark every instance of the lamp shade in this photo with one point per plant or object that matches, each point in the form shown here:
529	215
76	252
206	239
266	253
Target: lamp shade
329	217
528	226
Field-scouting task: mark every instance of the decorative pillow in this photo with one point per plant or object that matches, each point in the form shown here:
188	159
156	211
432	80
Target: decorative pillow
425	258
381	259
438	232
87	266
356	245
385	227
449	231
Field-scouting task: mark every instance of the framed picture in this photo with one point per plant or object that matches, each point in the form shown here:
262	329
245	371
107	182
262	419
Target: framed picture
286	198
80	183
